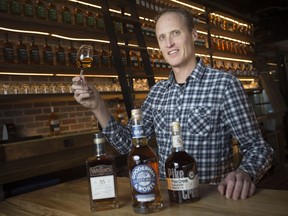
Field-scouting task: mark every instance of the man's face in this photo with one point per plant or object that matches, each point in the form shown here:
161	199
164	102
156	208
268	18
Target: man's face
175	41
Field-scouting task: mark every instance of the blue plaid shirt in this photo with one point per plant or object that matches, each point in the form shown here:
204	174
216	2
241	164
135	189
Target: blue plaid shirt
212	107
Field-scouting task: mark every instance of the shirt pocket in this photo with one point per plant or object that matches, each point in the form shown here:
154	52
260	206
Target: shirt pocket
160	122
199	121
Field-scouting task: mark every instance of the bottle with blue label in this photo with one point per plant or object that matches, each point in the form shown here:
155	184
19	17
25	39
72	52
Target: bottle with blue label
143	170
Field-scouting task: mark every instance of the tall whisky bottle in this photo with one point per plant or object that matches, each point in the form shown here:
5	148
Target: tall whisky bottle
47	53
181	171
28	8
60	54
34	53
72	55
79	16
66	14
8	51
52	12
22	53
40	10
102	177
143	170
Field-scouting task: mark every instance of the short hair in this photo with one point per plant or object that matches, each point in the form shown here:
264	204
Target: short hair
188	17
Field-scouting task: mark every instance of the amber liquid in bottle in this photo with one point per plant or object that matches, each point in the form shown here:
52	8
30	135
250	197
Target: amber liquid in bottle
101	177
181	171
143	170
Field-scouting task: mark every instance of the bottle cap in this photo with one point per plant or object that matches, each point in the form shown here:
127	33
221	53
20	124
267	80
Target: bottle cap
135	112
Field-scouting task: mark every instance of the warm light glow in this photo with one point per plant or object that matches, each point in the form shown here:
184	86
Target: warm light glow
85	3
247	79
25	73
233	59
88	75
229	19
79	39
188	5
231	39
271	64
23	31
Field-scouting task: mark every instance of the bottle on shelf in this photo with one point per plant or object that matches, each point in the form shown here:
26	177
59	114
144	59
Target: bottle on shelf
104	57
28	8
181	171
52	12
15	7
47	53
102	178
60	54
22	53
72	55
90	19
143	170
8	51
96	57
34	53
66	14
100	24
4	6
54	123
134	59
120	114
79	16
40	10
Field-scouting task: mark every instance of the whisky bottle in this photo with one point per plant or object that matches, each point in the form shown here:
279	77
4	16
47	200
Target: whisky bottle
96	57
79	16
104	58
143	170
4	6
34	53
60	54
100	24
22	53
8	51
181	171
28	8
40	10
72	55
47	53
54	123
52	12
15	7
102	178
90	20
134	59
66	14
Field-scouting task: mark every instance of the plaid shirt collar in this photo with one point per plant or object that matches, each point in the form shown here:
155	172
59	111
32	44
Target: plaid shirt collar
196	74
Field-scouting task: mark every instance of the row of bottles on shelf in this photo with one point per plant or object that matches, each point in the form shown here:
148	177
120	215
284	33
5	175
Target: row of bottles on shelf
228	24
244	69
15	88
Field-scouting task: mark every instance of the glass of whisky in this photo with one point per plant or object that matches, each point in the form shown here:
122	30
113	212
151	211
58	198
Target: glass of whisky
84	58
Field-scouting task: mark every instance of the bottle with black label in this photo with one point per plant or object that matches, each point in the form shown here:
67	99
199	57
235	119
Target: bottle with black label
22	53
28	8
181	171
143	168
8	51
66	14
47	53
40	10
102	178
60	54
52	12
72	54
34	53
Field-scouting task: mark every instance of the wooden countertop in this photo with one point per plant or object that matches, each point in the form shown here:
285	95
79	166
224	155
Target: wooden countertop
71	199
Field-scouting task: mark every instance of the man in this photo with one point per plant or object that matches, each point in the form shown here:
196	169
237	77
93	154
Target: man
210	105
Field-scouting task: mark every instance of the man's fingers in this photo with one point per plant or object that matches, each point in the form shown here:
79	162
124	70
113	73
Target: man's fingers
221	188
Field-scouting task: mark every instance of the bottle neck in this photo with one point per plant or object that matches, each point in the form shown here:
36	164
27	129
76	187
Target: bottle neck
100	149
177	143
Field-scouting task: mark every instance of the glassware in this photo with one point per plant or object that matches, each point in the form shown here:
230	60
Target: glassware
84	58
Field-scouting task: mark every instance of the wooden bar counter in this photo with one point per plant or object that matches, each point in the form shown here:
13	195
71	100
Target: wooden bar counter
71	199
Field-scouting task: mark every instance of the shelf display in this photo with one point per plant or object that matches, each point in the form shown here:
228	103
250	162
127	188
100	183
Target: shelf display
59	28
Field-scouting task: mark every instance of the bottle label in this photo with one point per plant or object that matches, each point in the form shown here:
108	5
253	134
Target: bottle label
102	182
55	125
177	141
186	183
52	14
143	180
66	17
138	131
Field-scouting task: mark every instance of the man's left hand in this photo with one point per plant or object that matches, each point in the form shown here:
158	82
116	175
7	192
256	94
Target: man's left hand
237	184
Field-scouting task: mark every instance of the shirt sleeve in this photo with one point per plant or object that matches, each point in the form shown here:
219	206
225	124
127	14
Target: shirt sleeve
119	136
256	152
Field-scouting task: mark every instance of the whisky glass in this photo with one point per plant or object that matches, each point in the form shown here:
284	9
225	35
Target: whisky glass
84	58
